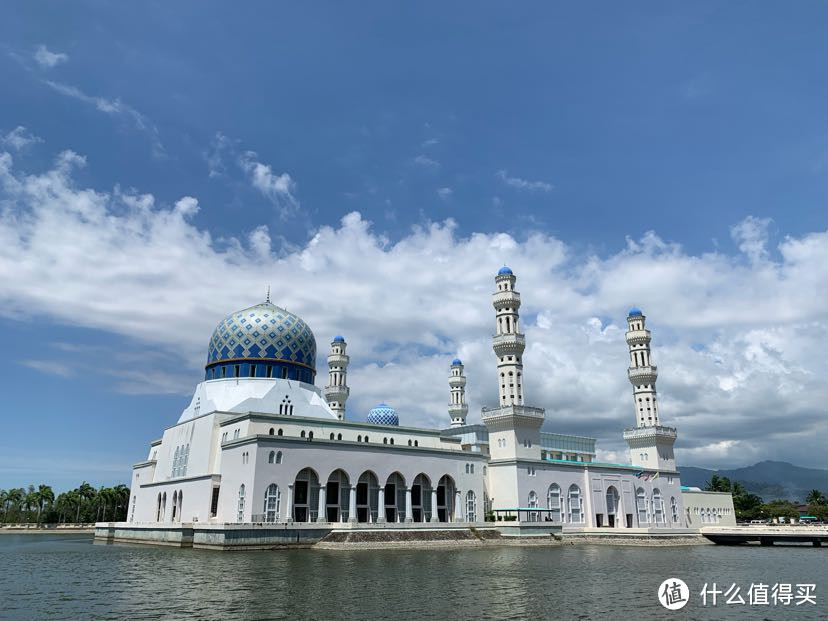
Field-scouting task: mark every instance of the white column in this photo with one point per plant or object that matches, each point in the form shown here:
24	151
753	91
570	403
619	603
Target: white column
322	515
352	512
381	506
458	506
434	517
589	518
409	511
290	505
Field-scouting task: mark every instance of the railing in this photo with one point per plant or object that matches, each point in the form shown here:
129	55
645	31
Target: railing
646	431
518	410
509	341
502	298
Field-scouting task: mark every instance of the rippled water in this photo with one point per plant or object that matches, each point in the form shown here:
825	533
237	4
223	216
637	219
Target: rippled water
69	577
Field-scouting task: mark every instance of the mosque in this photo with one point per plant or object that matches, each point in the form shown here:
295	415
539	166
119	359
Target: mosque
261	445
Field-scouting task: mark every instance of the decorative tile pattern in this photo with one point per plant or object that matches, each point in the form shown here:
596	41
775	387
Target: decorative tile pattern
263	331
383	415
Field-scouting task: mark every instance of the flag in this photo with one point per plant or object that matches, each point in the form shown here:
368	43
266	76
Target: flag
638	474
656	476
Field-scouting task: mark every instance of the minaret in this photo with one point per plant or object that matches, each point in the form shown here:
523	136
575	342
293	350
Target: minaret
337	391
508	342
457	408
651	444
642	373
514	428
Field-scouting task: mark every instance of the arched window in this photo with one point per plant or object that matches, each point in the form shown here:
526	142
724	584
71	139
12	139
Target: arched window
174	471
576	515
339	436
409	442
467	468
359	438
385	440
271	431
271	458
279	457
658	506
333	435
240	514
391	441
673	509
472	468
280	432
366	438
302	434
553	502
272	502
641	505
416	443
534	516
471	506
310	435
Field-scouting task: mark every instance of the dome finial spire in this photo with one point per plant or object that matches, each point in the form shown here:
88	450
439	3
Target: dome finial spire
267	300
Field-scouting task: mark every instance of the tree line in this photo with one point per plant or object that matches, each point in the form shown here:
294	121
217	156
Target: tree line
84	504
749	506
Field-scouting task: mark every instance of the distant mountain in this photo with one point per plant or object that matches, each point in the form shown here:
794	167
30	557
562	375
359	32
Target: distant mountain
769	479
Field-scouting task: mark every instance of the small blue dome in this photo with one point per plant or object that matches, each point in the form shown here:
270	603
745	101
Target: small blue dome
456	361
383	414
635	312
504	271
339	339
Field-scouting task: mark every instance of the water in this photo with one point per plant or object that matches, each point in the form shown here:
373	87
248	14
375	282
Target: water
69	577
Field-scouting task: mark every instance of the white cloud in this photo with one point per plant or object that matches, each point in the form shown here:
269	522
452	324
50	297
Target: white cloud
445	193
19	138
751	236
740	345
279	188
50	367
114	108
426	162
524	184
49	59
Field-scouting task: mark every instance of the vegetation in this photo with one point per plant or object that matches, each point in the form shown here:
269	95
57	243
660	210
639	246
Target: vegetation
750	506
81	505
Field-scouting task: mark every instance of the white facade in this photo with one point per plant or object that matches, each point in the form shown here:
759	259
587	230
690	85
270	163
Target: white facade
263	449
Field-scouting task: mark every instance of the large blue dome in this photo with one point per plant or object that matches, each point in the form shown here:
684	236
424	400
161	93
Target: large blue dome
383	414
456	361
504	271
262	341
635	312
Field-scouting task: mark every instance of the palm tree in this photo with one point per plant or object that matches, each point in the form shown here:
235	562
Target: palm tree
29	501
45	495
121	493
13	499
816	497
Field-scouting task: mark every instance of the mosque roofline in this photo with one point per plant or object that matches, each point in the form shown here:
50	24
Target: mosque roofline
331	422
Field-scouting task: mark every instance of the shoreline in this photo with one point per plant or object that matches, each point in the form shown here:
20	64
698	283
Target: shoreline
82	529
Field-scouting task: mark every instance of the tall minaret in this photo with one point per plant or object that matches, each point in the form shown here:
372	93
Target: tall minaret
651	444
337	391
508	342
642	373
457	397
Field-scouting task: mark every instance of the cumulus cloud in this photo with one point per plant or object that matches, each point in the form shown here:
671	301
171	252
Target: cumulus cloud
739	344
524	184
751	236
19	138
46	58
279	188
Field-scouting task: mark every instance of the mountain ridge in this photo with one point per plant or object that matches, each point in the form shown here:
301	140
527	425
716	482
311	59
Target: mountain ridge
769	479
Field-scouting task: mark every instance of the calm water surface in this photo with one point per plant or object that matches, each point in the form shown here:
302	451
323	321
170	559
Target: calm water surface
69	577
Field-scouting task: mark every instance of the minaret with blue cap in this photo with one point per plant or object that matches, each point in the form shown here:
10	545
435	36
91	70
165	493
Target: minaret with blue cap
337	391
509	342
651	444
457	409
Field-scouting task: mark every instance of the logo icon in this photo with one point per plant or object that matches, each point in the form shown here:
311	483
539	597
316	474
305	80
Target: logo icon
673	594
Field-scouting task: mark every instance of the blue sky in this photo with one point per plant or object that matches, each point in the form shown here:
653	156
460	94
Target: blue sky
574	142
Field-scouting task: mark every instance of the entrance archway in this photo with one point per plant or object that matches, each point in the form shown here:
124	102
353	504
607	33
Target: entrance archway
613	510
367	497
395	498
421	498
336	497
306	496
445	498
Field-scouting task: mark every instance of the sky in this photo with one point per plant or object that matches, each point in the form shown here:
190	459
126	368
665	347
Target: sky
375	164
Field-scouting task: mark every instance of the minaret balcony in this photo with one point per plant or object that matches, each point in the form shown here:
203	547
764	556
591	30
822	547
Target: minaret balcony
641	436
638	337
457	381
338	360
640	376
506	299
458	409
336	393
508	344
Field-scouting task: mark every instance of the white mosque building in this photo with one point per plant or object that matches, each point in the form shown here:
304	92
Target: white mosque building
261	445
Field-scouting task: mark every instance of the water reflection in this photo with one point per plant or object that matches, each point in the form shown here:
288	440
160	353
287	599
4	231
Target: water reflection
66	577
